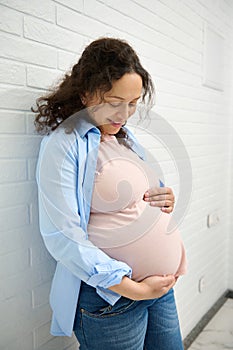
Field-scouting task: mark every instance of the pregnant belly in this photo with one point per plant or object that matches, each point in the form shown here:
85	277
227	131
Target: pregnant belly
150	256
152	251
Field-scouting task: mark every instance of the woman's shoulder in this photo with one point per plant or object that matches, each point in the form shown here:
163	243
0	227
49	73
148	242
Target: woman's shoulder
60	141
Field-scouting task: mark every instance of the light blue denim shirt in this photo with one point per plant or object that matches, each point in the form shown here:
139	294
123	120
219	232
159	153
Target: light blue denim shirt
65	176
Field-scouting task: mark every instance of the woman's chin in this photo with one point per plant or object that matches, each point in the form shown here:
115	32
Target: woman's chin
109	129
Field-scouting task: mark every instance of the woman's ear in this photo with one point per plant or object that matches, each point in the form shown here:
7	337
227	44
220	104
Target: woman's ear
83	100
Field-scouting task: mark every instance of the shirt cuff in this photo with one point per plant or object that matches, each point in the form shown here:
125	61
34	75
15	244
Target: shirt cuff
108	295
107	275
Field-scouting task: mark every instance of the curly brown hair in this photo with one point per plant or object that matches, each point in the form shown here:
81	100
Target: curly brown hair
102	62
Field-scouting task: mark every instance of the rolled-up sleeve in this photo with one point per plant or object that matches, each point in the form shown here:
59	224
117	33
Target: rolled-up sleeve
59	218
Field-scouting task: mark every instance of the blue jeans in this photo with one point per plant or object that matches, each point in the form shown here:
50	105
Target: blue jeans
128	325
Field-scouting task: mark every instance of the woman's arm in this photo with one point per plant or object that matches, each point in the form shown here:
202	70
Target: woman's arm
150	288
60	224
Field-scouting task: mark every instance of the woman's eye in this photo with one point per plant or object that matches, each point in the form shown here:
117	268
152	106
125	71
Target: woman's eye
115	104
118	104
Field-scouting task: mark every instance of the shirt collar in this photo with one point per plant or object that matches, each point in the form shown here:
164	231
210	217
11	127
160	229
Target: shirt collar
136	147
84	124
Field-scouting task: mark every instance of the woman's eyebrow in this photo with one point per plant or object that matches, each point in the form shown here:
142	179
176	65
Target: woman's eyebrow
121	98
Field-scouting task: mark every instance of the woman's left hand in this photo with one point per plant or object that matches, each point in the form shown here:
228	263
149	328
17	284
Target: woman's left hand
162	197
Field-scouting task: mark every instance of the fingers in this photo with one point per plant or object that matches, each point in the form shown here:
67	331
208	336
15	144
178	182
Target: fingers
156	286
161	204
167	210
159	190
168	286
168	280
161	197
164	203
155	191
171	285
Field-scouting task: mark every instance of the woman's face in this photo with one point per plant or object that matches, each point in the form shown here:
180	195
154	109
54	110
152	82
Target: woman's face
119	103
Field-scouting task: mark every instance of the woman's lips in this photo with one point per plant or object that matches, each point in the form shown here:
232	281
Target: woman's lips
115	124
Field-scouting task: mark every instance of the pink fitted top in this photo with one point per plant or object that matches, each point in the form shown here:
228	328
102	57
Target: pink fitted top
122	224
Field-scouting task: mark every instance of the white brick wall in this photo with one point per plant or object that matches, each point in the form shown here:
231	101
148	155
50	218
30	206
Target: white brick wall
42	39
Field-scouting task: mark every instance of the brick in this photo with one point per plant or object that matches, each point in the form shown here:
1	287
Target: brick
28	318
14	217
77	22
94	9
19	146
183	90
12	122
38	255
17	98
66	60
31	277
76	5
170	61
175	101
26	51
34	218
40	294
20	193
135	28
51	34
46	10
165	71
12	73
11	21
13	170
43	78
198	128
179	115
11	307
32	168
20	237
30	127
179	15
148	16
14	262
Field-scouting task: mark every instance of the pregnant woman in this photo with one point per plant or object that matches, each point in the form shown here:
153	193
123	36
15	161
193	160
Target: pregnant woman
103	212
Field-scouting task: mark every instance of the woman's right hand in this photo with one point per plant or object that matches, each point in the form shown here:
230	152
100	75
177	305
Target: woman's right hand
149	288
156	286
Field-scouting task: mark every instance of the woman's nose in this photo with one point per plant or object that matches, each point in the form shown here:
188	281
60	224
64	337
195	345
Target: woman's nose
123	111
